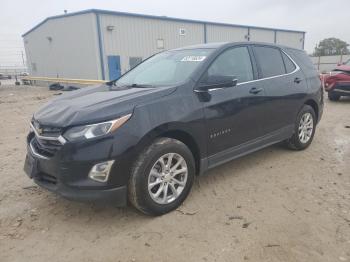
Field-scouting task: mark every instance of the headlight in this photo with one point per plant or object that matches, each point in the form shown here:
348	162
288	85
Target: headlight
95	130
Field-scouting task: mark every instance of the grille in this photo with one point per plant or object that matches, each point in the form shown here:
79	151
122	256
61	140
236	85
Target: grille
44	140
46	148
48	131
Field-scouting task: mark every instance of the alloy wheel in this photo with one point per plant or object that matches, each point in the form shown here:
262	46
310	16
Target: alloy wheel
167	178
306	127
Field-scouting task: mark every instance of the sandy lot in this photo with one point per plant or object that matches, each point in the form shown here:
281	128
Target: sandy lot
273	205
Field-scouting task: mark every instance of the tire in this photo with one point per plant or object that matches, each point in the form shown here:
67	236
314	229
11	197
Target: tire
145	199
297	141
333	97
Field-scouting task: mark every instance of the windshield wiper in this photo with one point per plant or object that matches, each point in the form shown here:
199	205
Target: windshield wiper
141	86
115	84
112	82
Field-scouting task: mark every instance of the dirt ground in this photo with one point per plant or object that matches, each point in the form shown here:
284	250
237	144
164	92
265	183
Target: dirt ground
273	205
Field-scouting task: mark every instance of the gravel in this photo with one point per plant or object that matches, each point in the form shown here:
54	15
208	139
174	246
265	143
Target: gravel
273	205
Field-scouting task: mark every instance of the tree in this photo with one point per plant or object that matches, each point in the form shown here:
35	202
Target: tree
331	46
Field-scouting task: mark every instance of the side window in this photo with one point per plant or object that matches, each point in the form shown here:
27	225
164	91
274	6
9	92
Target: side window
270	61
290	66
233	62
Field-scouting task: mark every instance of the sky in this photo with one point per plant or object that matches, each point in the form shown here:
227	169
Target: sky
319	18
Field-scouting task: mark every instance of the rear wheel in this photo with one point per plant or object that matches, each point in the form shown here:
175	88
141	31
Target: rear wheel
305	126
333	97
162	177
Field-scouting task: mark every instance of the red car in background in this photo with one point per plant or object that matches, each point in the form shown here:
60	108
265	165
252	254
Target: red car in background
337	83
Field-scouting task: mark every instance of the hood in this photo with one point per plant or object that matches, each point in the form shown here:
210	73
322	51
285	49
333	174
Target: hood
343	68
95	104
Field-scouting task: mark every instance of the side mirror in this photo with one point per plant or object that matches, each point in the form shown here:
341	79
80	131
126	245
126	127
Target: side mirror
216	82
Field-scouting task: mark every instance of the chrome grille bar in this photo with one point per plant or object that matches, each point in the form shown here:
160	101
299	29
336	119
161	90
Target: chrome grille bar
60	138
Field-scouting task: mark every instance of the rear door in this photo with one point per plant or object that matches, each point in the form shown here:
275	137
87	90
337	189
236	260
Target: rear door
234	115
284	85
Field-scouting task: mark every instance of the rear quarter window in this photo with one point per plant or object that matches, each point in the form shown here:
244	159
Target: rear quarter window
290	66
302	59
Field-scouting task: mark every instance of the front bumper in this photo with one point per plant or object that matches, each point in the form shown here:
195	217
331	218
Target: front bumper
67	176
114	196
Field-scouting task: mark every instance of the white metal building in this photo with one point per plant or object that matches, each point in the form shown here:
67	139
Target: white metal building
98	44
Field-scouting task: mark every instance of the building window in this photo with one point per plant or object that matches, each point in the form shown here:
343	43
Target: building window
160	43
182	31
134	61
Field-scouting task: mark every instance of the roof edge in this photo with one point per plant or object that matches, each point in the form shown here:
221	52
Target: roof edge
164	18
58	16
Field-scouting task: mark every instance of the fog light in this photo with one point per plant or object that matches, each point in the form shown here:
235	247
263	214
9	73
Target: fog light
100	171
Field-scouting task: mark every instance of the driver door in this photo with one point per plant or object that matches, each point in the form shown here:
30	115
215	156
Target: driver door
234	115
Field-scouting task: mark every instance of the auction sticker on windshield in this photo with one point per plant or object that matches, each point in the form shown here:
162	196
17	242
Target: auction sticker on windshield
193	58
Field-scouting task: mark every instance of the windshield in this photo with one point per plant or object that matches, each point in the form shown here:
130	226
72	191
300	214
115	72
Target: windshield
167	68
348	62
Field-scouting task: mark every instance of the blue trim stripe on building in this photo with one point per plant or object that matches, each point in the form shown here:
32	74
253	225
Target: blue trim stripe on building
97	11
100	45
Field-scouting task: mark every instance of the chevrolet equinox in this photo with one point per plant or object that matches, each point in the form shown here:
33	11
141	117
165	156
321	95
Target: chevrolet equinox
145	136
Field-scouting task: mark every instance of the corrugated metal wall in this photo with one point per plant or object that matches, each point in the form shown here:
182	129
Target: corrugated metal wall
66	47
218	33
292	39
261	35
137	37
75	48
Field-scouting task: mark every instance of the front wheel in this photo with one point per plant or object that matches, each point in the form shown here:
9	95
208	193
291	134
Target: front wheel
304	131
161	177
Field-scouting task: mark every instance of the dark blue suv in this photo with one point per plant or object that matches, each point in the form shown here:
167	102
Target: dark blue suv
145	136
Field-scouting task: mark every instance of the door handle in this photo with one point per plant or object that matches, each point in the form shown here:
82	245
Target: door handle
255	90
297	80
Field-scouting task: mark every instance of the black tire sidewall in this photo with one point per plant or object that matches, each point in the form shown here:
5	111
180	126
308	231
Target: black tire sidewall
152	154
333	97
